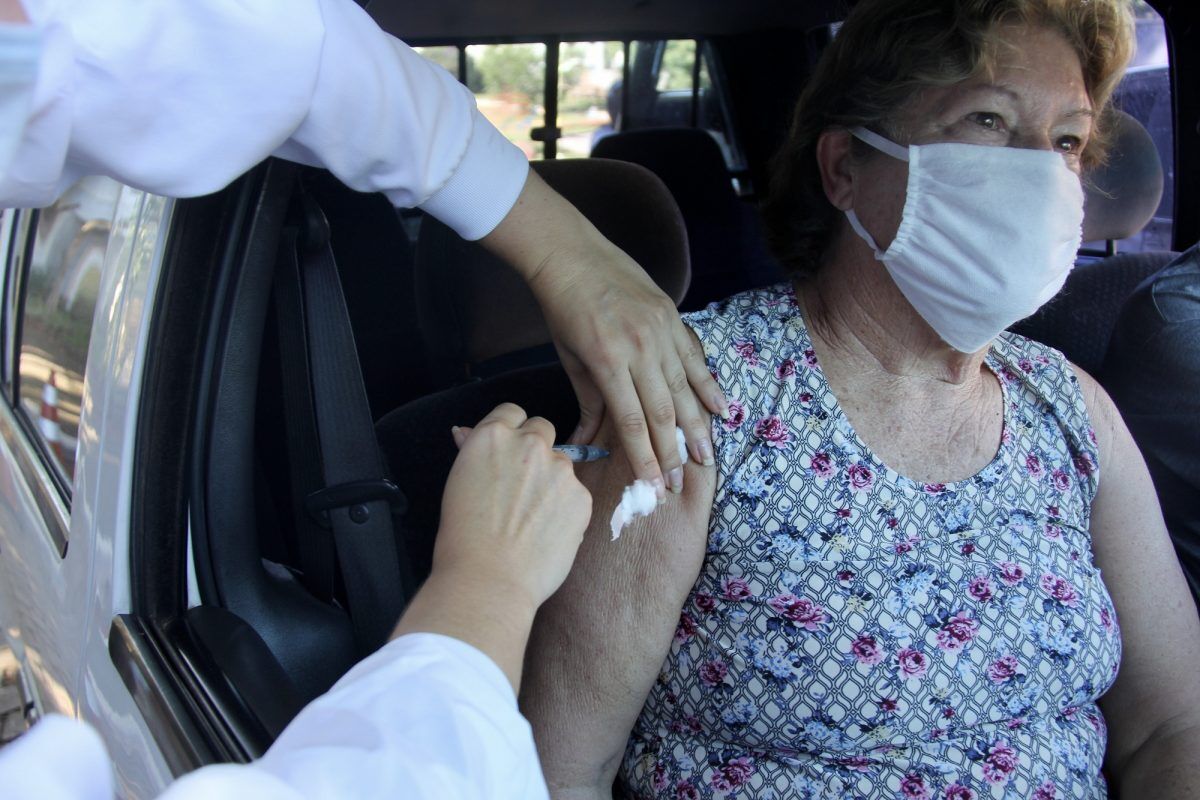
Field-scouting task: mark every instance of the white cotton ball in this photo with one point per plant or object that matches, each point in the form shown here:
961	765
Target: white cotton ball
638	500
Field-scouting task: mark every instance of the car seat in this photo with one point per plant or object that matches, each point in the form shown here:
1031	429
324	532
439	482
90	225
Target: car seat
725	239
1121	197
477	317
494	315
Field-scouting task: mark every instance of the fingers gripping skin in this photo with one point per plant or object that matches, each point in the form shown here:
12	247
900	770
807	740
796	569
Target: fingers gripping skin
618	335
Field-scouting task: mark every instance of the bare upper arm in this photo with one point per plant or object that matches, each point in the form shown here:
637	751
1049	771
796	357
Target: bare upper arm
1158	685
598	643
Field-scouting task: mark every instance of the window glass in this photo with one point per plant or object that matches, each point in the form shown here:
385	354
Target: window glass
1145	94
509	83
675	69
445	56
589	94
60	291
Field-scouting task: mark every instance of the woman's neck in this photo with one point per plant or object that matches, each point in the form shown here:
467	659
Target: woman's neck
855	312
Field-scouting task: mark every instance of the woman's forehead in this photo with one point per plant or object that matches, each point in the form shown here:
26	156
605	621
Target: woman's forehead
1030	66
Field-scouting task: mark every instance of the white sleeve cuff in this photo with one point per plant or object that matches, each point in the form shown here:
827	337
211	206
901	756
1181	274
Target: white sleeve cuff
485	185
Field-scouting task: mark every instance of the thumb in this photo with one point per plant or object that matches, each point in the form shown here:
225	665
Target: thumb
591	402
460	435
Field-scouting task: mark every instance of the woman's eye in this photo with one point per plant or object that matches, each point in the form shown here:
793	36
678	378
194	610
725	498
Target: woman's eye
1069	144
987	119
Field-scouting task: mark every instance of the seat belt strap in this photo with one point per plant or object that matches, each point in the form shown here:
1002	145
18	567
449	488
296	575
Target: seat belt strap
314	542
358	499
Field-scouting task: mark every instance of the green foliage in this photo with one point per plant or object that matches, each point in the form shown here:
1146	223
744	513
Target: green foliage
513	68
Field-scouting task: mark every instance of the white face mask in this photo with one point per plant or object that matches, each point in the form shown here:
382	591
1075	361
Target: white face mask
988	234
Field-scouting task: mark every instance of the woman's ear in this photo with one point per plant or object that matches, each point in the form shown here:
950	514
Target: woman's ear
835	163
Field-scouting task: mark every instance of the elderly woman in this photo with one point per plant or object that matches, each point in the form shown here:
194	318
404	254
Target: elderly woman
890	584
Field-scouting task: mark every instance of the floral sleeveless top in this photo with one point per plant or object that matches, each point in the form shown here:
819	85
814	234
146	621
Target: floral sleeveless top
856	634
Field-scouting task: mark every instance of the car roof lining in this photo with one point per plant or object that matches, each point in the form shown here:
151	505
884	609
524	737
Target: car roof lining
480	19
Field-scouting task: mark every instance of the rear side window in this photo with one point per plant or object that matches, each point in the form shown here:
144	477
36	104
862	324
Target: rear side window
54	314
557	99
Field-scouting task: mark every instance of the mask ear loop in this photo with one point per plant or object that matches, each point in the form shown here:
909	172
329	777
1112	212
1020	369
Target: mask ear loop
880	143
888	147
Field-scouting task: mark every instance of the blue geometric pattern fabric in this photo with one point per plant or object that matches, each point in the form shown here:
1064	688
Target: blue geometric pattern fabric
857	634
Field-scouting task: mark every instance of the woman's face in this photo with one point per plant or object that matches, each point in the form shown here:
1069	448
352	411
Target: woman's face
1033	98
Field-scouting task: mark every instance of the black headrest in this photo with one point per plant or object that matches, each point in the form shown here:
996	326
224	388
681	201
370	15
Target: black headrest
688	160
1122	195
472	307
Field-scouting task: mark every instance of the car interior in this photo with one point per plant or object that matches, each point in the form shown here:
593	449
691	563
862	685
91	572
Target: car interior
304	371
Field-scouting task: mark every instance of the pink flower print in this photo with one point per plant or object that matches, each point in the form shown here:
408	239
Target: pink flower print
980	588
735	589
1091	435
1011	573
786	369
822	465
1052	531
747	351
1053	511
1060	479
844	513
705	602
712	673
1033	465
866	650
956	791
845	575
967	548
860	476
856	763
772	431
1059	588
687	627
732	774
999	763
912	663
800	610
1106	620
913	787
659	779
1003	669
810	357
904	546
958	631
935	488
1015	723
893	523
684	790
887	704
1085	464
1045	791
1025	364
806	398
737	415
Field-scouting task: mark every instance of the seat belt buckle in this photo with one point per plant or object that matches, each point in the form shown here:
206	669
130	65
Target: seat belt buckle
355	496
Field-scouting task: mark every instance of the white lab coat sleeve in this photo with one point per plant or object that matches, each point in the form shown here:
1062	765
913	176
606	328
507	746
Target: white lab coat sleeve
180	97
57	759
427	716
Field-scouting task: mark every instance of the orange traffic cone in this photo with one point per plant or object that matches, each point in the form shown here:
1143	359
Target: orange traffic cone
48	418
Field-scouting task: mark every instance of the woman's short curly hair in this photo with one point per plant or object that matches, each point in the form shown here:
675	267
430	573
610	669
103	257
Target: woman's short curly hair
885	53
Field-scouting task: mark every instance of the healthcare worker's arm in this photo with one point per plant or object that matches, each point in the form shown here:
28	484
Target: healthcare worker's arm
433	713
180	98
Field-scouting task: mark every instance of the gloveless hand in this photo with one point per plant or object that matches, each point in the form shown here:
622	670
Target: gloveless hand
619	336
513	513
